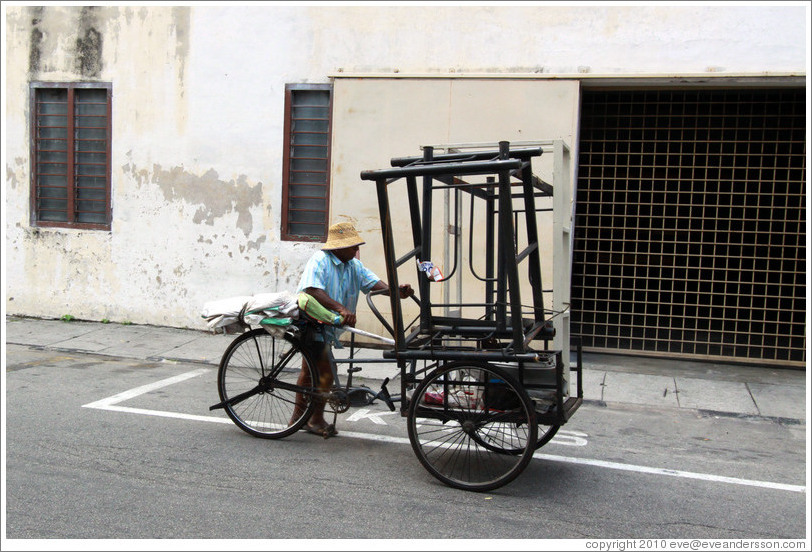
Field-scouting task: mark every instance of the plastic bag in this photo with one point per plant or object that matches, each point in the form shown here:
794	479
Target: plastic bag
432	272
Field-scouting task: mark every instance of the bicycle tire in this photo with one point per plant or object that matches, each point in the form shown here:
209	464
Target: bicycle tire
449	439
545	434
264	368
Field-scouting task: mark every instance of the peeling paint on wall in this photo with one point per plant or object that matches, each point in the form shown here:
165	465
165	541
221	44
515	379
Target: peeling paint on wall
215	197
255	244
11	175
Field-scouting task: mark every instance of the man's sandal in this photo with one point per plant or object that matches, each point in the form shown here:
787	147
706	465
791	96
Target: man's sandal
327	431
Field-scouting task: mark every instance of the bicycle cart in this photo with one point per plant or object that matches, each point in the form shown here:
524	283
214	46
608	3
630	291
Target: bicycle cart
479	386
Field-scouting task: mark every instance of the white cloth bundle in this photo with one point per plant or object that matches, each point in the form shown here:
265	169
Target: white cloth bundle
277	311
235	313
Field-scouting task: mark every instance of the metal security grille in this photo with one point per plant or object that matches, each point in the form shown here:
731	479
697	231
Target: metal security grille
690	224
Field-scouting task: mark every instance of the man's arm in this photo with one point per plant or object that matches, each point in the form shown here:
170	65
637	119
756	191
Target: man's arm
349	317
405	290
321	296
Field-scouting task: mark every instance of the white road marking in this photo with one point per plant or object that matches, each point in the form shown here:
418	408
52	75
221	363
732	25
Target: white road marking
374	417
163	414
577	438
570	438
132	393
672	473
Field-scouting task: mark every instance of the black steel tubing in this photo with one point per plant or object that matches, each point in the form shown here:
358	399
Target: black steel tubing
490	221
529	249
445	169
414	210
471	246
425	245
407	256
534	263
580	371
519	153
360	360
412	354
391	269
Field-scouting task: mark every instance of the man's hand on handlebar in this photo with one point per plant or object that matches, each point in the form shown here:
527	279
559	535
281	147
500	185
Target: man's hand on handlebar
349	317
405	291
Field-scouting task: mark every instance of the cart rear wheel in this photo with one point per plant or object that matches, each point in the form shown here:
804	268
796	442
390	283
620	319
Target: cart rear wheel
472	426
256	373
545	434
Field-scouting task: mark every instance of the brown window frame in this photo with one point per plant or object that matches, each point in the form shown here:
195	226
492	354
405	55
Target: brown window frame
288	194
72	207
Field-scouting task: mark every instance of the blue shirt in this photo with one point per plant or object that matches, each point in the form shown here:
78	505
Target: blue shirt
343	282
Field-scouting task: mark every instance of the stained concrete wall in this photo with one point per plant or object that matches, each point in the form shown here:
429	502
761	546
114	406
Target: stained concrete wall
198	118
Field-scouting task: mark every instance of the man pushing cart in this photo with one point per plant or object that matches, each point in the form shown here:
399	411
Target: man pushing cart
480	391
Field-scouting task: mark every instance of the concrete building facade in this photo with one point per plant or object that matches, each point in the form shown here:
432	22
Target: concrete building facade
198	110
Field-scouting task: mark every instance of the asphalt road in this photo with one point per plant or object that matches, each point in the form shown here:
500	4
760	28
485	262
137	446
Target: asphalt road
98	447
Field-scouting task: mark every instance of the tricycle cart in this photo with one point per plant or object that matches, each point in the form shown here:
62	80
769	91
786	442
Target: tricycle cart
479	386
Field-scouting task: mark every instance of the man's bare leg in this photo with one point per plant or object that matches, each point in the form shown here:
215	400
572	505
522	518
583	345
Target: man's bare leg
301	401
317	423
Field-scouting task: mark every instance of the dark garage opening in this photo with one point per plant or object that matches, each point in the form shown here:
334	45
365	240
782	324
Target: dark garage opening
690	224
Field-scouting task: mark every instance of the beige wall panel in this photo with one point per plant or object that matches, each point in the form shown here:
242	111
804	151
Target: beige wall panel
377	119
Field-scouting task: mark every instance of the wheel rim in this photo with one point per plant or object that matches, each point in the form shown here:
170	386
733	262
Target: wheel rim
546	433
467	444
260	360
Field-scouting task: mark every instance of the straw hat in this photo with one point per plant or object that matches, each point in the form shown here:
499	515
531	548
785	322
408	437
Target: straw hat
342	235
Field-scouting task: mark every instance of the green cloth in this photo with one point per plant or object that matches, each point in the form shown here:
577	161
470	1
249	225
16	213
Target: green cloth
317	311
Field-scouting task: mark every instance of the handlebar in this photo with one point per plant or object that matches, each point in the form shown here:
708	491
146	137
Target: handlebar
377	313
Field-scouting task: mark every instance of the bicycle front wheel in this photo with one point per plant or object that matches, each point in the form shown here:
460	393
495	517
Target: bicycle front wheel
472	426
266	383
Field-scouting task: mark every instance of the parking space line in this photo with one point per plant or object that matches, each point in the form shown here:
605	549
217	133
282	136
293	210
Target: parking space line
132	393
111	403
163	414
671	473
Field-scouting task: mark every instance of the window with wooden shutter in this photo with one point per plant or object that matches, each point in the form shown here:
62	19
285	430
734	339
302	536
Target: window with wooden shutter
306	178
71	155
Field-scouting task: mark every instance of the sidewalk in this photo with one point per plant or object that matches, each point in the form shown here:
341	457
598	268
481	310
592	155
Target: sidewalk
723	389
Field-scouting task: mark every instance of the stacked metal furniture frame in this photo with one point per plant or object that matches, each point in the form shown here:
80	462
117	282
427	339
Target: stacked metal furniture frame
505	332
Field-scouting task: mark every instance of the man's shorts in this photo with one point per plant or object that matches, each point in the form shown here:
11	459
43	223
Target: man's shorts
316	350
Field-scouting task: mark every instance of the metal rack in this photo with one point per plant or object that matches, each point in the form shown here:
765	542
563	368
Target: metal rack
503	329
485	396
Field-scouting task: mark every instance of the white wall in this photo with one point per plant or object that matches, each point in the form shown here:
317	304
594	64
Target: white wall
197	122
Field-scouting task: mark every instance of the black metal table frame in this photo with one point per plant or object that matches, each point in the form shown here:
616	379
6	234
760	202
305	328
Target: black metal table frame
503	319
